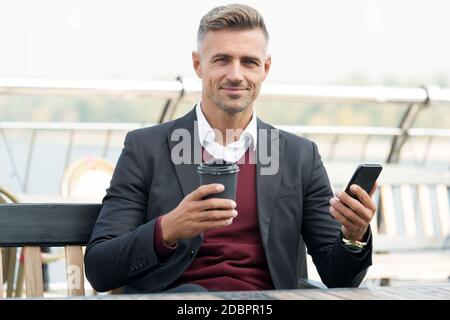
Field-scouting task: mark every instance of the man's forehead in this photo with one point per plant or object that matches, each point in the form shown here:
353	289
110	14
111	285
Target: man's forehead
235	42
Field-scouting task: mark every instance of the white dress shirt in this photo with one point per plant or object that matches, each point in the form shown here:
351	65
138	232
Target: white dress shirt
231	152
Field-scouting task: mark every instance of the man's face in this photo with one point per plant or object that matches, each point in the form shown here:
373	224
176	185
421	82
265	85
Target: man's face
232	66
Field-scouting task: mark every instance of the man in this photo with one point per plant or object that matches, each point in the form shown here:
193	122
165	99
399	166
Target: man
156	233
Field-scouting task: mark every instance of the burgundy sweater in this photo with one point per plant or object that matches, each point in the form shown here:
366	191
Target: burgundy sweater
231	258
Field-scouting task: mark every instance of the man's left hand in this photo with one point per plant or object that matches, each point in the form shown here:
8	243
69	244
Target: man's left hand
354	215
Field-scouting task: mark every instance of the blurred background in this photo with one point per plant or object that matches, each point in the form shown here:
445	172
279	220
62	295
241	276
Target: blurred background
367	80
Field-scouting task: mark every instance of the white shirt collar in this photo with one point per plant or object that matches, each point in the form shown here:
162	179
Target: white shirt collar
207	134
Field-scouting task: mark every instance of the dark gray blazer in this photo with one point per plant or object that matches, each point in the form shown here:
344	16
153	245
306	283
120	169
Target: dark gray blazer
292	205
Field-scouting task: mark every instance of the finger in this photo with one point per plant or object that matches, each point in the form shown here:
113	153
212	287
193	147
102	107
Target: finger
210	225
354	218
213	215
204	190
355	205
342	219
216	203
364	198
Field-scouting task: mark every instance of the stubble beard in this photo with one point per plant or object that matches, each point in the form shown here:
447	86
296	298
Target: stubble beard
231	107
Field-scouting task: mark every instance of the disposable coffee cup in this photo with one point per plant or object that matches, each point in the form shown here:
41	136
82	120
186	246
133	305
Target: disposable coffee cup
219	171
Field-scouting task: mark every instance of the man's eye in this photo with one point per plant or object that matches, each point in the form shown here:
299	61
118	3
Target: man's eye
221	60
251	62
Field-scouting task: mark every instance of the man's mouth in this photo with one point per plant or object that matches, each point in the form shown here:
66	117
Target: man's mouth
233	89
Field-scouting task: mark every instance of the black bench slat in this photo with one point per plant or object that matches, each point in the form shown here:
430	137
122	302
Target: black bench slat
46	224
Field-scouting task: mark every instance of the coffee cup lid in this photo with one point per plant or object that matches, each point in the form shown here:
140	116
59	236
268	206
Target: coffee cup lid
217	167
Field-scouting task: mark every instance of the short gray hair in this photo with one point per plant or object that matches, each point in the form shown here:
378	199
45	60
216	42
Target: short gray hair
231	17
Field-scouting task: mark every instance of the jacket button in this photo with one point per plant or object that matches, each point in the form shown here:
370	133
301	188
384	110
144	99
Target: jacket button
192	253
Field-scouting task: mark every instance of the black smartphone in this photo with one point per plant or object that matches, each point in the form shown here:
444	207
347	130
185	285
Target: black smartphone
364	176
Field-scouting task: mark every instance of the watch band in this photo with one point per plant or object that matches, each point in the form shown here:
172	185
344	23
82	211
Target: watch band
354	244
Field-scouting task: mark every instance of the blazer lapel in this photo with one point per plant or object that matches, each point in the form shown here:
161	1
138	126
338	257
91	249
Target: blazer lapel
184	134
267	181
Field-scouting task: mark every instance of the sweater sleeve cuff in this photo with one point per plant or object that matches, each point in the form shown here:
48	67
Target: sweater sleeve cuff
162	250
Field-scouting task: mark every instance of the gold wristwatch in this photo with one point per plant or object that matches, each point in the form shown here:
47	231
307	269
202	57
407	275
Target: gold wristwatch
354	244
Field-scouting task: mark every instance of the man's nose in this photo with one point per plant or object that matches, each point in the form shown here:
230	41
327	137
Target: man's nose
235	72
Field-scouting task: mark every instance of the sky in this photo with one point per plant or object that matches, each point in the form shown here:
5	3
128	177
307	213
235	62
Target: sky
312	42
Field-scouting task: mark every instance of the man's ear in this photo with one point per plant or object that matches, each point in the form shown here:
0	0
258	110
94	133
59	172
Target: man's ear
196	63
267	65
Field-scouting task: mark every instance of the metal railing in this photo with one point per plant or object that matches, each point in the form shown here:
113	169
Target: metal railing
416	99
172	89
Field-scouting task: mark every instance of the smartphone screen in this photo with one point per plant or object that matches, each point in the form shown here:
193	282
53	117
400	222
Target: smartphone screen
364	176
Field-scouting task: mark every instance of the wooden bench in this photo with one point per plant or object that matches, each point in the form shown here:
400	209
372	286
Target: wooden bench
412	226
414	210
8	256
32	226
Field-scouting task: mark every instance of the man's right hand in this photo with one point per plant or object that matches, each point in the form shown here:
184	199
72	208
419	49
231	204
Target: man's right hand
194	215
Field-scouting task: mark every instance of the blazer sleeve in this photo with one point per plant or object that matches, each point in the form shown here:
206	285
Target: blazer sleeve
121	247
336	266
